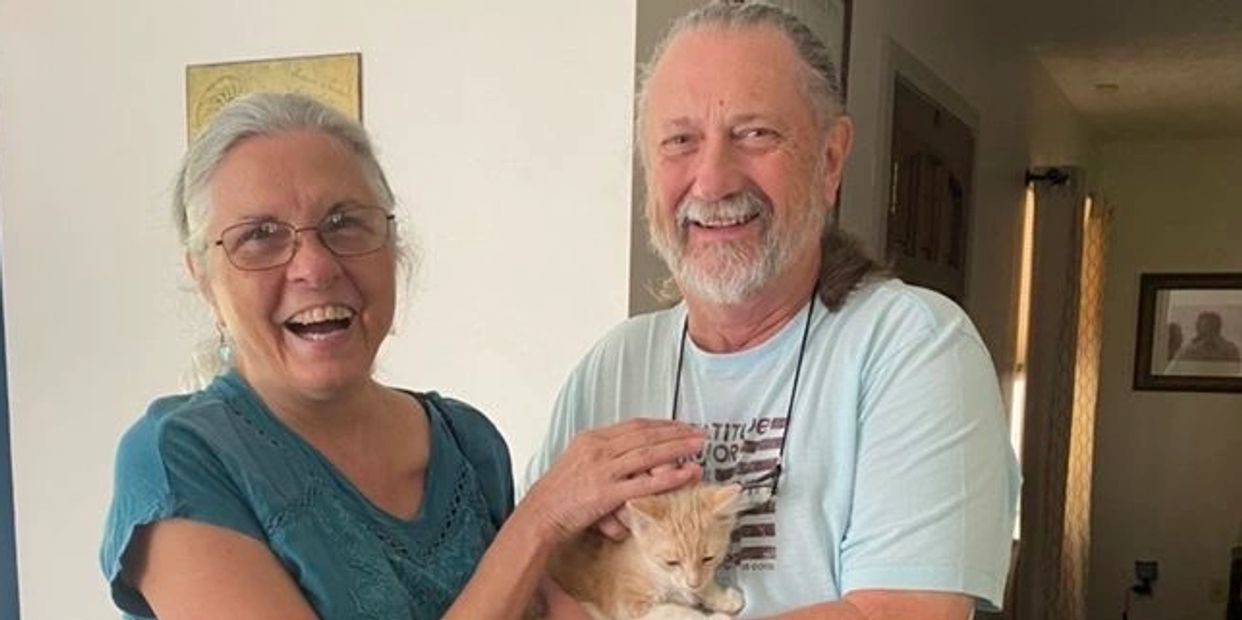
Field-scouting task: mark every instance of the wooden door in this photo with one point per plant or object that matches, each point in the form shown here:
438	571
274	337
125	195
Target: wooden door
930	193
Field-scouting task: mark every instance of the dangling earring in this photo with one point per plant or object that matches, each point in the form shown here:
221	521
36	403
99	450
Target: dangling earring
223	351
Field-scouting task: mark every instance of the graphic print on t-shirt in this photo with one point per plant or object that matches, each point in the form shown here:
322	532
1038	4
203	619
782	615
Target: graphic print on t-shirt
747	453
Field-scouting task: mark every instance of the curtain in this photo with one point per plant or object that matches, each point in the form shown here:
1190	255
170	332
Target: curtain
1051	574
1076	535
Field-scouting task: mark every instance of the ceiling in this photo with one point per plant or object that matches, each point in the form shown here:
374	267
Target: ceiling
1143	68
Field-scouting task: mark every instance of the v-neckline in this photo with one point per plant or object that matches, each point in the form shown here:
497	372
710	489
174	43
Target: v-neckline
435	457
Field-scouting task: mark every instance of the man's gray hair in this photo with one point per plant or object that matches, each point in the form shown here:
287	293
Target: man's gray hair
262	114
820	78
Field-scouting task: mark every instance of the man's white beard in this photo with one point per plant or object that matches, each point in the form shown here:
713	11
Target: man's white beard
729	272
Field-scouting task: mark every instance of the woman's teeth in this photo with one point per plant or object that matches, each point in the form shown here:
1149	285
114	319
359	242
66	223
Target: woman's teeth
316	323
319	314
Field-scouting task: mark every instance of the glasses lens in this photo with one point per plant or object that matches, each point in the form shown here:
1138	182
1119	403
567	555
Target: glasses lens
355	230
258	245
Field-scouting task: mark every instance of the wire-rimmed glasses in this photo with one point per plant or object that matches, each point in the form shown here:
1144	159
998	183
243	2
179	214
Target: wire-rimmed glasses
349	230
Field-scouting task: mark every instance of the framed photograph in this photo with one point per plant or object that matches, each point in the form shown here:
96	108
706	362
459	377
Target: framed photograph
1189	332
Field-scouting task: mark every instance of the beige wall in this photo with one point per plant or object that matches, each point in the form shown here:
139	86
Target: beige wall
1167	464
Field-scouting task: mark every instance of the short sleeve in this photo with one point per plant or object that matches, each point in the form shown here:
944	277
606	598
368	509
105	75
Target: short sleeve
485	448
166	469
561	428
936	482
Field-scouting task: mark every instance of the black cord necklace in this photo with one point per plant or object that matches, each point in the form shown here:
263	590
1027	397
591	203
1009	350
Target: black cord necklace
775	473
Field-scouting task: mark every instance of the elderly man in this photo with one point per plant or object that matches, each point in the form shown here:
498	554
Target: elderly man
861	414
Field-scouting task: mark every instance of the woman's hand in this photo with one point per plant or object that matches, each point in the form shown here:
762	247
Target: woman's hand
611	524
604	467
559	605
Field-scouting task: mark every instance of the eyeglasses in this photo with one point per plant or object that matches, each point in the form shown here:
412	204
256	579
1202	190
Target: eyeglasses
351	230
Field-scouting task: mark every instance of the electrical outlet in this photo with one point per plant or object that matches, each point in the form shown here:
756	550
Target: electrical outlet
1145	572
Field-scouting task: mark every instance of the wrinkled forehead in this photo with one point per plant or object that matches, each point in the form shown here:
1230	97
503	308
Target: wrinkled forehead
287	173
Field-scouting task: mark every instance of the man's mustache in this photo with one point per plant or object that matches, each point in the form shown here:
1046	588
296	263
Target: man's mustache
740	204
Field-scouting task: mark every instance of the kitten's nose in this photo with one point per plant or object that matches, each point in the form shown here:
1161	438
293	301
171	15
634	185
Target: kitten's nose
695	580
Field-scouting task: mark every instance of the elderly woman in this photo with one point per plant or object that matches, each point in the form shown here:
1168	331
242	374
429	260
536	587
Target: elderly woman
295	486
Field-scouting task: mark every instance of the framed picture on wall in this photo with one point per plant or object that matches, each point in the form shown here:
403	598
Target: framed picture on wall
1189	332
334	79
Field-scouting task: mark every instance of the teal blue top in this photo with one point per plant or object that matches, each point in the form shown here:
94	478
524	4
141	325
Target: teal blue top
220	457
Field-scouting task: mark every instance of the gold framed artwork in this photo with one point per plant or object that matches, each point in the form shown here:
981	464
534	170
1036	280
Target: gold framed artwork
335	79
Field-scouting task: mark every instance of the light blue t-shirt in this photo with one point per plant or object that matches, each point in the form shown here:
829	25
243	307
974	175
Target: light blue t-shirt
896	473
220	457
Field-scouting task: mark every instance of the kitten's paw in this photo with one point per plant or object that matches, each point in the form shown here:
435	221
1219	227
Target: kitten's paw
719	616
730	601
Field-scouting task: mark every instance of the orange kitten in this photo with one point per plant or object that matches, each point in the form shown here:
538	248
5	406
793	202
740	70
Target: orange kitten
666	568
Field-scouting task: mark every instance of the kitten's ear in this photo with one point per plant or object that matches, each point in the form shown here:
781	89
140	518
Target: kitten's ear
637	514
724	500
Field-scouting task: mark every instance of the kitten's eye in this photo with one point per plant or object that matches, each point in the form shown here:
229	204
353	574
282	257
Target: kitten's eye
709	558
672	563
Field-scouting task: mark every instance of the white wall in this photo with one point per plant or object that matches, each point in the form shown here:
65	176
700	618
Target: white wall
1166	463
504	128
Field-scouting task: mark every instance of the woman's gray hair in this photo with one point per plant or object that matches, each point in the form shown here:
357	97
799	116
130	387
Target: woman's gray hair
262	114
820	79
